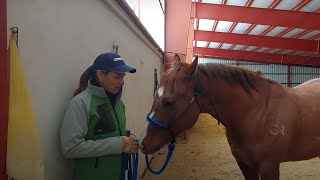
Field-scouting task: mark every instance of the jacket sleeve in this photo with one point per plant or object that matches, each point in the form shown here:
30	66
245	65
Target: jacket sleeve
72	135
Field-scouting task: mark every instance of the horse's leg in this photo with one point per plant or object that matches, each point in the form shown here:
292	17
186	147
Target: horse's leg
248	172
269	170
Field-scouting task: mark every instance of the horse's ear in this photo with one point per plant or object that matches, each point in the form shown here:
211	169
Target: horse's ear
176	58
176	61
175	64
191	69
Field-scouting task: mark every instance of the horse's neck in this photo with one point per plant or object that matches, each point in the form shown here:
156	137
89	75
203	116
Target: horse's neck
229	103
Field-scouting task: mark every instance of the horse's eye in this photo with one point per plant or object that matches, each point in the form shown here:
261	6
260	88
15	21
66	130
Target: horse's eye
168	103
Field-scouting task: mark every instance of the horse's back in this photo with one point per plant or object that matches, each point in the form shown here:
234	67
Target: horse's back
307	99
308	96
309	84
309	89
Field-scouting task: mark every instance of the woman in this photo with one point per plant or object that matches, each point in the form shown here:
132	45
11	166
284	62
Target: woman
93	129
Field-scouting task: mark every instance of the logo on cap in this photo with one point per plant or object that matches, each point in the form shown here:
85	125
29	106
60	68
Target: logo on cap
117	59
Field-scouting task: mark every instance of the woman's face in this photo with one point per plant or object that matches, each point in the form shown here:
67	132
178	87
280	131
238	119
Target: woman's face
111	81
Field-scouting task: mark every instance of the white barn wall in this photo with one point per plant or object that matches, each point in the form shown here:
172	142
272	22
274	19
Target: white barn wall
58	40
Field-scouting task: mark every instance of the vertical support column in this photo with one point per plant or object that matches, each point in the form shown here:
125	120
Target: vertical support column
289	76
191	33
177	22
4	89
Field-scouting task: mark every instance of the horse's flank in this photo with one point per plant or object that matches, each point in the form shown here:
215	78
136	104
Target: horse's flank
271	115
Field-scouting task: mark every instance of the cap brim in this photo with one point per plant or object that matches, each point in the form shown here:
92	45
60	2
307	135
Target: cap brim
124	69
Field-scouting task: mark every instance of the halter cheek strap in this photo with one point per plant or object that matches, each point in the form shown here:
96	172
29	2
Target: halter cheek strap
156	123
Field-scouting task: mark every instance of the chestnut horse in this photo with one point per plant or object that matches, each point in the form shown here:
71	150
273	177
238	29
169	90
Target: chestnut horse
266	123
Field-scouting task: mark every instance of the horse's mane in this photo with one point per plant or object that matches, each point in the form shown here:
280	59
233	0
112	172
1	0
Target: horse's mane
170	75
230	74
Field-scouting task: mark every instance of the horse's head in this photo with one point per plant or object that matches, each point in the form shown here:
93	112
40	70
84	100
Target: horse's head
175	106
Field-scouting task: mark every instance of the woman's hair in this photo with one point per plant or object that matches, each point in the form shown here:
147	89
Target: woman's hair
83	82
85	77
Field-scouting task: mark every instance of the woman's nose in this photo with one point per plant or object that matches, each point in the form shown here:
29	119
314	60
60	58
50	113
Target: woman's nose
122	82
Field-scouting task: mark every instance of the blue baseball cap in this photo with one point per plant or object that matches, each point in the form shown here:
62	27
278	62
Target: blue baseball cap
112	62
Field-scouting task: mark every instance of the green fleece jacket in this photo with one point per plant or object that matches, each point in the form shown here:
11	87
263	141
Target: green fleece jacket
91	134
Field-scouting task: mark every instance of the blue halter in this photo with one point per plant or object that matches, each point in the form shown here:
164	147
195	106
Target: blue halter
156	123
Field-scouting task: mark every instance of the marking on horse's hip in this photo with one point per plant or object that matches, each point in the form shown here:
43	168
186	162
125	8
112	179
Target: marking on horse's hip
277	129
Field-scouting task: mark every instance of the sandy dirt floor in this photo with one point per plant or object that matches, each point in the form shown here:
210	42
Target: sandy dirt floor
206	155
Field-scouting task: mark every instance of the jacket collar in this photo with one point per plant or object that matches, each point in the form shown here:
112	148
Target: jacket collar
99	91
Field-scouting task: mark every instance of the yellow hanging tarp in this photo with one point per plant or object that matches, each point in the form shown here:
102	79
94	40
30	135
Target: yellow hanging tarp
24	152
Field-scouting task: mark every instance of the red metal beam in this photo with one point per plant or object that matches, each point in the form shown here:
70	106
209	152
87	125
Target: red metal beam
4	89
215	22
248	3
301	34
296	8
254	40
296	37
314	37
190	36
300	5
273	5
273	17
259	57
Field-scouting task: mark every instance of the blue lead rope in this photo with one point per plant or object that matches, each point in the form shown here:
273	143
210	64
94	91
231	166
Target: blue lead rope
130	161
133	166
130	166
170	148
130	170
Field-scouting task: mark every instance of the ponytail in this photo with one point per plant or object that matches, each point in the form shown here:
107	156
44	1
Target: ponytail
83	83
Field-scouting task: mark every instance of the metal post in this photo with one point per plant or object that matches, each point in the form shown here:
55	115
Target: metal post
289	76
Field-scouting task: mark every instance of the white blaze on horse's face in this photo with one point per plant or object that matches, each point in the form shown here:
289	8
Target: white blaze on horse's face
160	91
144	131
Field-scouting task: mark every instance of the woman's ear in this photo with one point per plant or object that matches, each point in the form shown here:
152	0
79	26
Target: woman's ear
99	75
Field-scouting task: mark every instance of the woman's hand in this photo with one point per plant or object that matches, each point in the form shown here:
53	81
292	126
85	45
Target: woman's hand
129	145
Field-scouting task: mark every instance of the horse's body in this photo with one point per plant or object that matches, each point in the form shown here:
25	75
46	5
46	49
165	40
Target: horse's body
266	123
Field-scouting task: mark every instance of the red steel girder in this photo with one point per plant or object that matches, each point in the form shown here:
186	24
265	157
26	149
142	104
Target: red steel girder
273	5
254	40
258	57
234	24
4	88
215	22
272	17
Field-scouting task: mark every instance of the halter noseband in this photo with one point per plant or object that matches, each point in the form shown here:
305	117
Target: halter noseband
167	127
